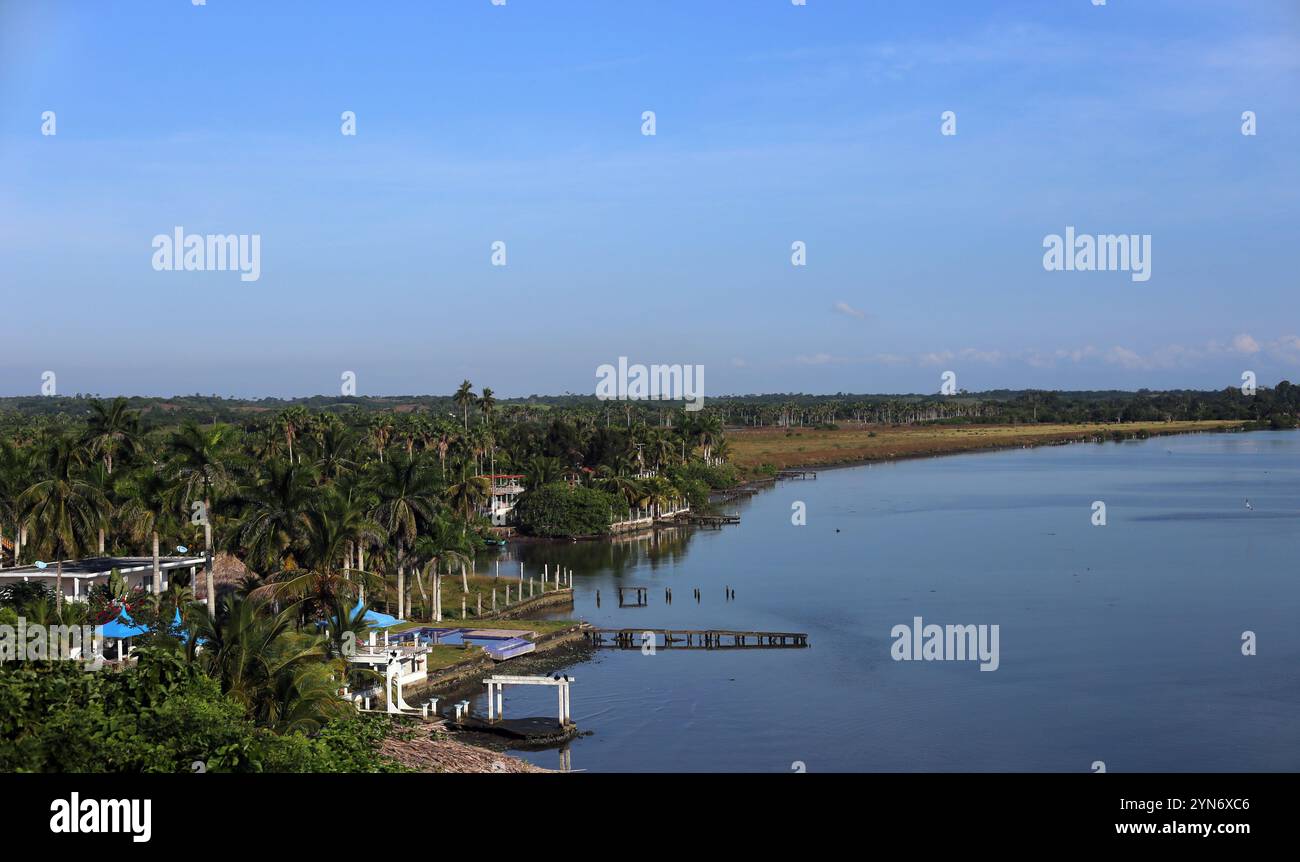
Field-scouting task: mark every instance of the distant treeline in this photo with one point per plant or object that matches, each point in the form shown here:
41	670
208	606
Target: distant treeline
1278	406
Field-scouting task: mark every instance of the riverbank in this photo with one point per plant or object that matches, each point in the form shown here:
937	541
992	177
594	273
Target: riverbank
457	673
759	451
427	748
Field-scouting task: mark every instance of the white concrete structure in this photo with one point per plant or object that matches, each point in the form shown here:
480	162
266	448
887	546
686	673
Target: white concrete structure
401	665
80	575
506	488
496	699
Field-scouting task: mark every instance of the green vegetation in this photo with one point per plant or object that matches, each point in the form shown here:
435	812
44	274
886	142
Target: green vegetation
326	500
560	510
161	715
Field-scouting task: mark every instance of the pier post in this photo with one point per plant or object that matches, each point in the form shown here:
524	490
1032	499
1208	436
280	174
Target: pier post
491	701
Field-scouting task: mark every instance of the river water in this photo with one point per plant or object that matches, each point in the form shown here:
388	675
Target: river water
1120	643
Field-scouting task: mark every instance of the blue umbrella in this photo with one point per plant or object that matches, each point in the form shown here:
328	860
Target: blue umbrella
123	627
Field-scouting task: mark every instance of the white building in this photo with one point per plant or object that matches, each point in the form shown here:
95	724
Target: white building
80	575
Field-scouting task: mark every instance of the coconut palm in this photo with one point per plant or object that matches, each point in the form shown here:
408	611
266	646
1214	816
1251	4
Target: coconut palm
284	678
486	403
468	496
198	467
708	431
147	512
619	482
464	397
113	430
656	493
381	430
62	509
321	576
273	515
541	470
407	498
292	422
337	453
15	477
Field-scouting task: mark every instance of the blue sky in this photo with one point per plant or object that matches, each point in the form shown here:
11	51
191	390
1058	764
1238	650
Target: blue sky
522	123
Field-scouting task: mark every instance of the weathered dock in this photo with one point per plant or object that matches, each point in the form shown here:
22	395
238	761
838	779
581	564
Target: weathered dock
639	600
635	638
796	474
704	520
530	731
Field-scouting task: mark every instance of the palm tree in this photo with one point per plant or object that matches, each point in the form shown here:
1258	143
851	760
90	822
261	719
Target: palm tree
322	576
147	513
284	678
112	430
337	453
273	517
444	543
442	442
620	483
381	429
199	468
486	402
708	430
656	494
62	509
291	422
661	449
464	397
468	496
407	497
542	471
14	479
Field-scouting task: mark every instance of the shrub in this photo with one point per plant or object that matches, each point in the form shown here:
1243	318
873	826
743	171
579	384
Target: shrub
560	511
162	715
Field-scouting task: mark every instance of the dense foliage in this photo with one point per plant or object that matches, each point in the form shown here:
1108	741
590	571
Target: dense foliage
161	715
560	510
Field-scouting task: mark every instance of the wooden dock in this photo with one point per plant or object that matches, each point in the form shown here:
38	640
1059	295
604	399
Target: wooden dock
704	520
634	638
796	474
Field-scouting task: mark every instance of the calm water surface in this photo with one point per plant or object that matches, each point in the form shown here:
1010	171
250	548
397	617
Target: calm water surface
1119	643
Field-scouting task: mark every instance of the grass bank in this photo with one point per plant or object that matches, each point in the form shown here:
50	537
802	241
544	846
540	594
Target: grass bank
480	590
441	658
756	450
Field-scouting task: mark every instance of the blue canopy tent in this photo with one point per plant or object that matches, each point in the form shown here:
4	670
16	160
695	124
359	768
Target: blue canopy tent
125	627
376	619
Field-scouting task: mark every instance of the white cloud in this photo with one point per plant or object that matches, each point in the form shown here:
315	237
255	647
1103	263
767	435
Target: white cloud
1245	344
816	359
844	308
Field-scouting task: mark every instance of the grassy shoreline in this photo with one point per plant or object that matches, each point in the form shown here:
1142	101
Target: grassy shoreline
759	451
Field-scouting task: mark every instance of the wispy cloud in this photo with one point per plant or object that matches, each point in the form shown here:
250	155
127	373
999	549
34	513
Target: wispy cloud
844	308
1284	349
